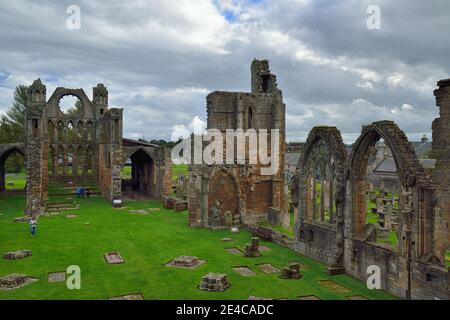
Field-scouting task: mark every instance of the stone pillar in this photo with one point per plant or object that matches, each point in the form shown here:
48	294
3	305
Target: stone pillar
34	142
441	149
322	199
34	176
330	200
314	198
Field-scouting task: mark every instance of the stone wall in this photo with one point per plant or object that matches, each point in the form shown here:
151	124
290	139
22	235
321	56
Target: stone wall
441	149
251	192
416	267
85	147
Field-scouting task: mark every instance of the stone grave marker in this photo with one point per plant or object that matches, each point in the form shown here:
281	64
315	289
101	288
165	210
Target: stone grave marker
16	255
132	296
215	282
244	271
357	297
310	297
334	286
113	258
264	249
56	277
252	250
188	262
234	250
268	268
15	281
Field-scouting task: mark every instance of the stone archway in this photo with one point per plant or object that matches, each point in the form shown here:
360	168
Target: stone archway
6	151
141	182
223	187
416	199
320	187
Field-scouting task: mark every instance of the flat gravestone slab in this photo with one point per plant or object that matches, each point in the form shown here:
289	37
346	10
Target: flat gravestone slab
264	249
334	286
234	251
113	258
244	271
132	296
258	298
357	297
16	255
71	216
15	281
310	297
56	277
268	268
185	262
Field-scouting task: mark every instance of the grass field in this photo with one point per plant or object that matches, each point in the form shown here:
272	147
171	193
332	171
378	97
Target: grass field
177	169
17	179
372	218
147	242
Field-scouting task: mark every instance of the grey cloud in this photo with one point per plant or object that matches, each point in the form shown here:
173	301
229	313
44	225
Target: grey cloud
159	59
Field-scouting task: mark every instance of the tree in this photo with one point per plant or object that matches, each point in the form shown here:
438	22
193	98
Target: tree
77	109
12	124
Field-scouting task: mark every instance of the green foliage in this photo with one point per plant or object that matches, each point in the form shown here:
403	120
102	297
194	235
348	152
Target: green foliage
17	179
15	164
147	242
161	142
12	124
77	109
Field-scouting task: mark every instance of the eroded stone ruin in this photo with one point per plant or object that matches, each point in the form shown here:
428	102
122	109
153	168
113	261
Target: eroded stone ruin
239	189
84	148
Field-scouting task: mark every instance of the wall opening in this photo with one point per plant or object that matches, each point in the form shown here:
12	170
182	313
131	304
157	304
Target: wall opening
137	176
13	173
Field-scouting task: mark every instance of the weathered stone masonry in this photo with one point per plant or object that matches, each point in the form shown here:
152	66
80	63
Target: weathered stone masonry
241	189
85	148
416	267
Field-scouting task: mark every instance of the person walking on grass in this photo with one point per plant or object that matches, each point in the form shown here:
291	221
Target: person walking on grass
33	226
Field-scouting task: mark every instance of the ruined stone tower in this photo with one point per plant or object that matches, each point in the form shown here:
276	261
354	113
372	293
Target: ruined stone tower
441	149
241	189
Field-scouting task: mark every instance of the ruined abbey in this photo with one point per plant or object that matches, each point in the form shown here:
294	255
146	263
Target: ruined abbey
84	149
331	193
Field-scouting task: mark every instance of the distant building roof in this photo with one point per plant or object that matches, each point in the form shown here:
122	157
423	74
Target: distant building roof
422	149
388	165
292	158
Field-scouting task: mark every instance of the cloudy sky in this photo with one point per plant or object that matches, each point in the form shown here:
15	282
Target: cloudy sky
159	59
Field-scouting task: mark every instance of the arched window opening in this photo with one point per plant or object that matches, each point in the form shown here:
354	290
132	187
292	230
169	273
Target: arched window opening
71	106
12	171
250	124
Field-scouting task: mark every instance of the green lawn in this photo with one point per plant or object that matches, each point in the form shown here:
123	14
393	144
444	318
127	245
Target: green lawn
177	169
146	243
372	218
289	231
18	179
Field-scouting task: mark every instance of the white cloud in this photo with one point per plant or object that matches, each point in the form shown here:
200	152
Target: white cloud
196	126
159	59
